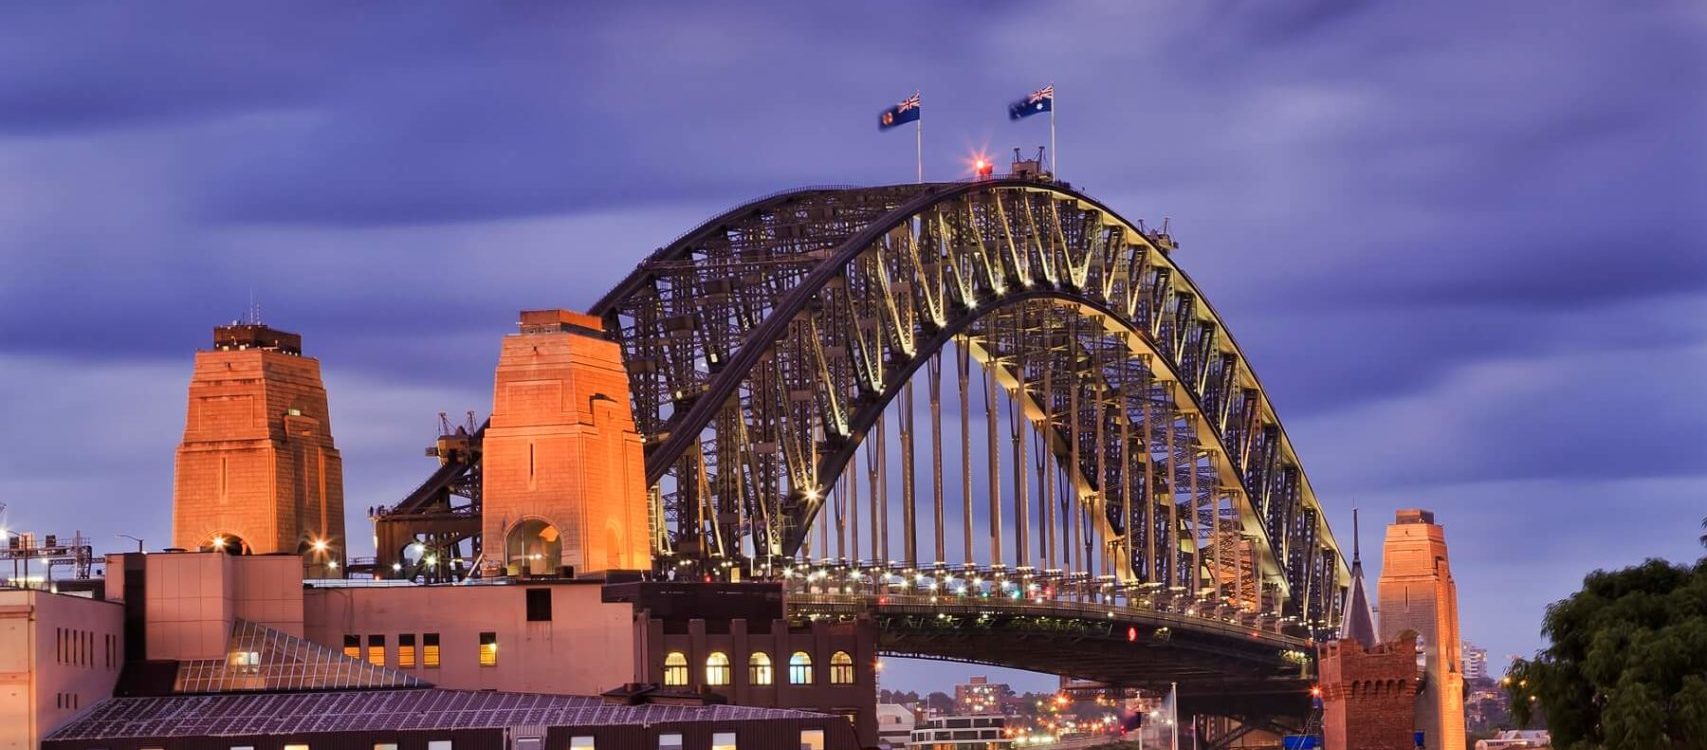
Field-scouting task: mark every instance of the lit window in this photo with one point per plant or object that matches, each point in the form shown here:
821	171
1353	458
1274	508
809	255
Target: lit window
675	669
406	650
488	649
384	746
242	747
295	747
717	671
353	646
432	745
583	742
244	659
376	650
811	739
800	668
723	741
671	741
841	669
430	650
759	669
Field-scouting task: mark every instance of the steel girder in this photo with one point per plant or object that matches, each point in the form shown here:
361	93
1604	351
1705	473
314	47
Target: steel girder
764	345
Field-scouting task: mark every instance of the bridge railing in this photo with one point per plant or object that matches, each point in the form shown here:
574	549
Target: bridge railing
858	603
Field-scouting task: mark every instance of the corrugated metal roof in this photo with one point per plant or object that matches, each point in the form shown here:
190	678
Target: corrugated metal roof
367	710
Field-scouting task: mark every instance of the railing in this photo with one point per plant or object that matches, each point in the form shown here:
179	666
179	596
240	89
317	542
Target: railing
851	604
843	589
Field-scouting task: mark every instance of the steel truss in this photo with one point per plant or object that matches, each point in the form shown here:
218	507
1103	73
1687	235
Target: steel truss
764	347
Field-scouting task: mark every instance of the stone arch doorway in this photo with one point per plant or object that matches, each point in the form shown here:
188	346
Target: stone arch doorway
533	547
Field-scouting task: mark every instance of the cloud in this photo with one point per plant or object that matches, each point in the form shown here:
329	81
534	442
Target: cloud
1461	244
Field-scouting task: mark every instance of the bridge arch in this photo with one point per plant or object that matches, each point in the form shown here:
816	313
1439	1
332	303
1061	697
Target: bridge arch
764	345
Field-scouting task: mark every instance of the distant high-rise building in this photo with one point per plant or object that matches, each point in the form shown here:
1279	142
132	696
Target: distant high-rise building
980	697
257	472
1417	594
1475	662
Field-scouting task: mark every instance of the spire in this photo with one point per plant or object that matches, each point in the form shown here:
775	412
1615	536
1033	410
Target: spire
1356	542
1359	622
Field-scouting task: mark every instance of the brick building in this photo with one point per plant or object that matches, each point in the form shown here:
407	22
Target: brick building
1368	695
732	639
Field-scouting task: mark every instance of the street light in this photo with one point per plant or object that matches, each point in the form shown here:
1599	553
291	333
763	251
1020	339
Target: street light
121	536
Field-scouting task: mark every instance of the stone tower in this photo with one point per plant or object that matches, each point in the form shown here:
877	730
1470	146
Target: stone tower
257	472
564	480
1417	594
1369	695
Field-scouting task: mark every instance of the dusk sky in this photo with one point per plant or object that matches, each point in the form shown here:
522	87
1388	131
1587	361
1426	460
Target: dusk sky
1462	244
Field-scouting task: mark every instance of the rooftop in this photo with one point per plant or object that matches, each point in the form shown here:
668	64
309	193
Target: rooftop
376	710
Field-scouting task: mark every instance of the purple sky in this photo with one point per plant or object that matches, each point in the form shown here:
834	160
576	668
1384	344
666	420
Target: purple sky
1461	245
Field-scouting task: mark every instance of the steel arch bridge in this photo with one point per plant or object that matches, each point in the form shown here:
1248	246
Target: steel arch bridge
764	346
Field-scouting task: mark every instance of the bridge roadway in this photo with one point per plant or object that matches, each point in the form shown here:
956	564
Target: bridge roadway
1070	624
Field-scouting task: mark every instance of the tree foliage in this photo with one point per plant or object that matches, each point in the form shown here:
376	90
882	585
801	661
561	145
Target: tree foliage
1627	664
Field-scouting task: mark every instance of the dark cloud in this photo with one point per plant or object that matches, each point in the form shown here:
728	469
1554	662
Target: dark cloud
1461	244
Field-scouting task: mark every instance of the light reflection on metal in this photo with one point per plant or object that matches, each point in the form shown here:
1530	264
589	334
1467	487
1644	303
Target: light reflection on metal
815	308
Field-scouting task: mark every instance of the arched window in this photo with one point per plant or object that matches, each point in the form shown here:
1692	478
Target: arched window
800	668
675	669
717	670
841	669
759	669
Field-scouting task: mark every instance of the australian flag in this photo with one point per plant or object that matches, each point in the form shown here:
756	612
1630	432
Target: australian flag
905	112
1041	100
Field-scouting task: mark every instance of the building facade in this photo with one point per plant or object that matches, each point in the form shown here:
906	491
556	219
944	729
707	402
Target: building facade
59	655
734	641
895	724
961	733
980	697
1475	662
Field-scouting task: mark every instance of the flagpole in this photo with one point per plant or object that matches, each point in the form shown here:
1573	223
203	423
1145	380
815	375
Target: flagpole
1175	723
1054	156
919	132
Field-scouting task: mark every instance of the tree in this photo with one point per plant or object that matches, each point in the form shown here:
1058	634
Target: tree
1626	668
1704	532
940	702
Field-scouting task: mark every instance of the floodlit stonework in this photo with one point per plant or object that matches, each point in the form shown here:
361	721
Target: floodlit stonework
564	469
1418	595
257	472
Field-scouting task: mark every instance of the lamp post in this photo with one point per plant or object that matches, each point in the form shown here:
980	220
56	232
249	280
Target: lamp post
138	540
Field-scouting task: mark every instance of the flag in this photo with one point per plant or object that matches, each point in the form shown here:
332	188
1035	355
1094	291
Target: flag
905	112
1041	100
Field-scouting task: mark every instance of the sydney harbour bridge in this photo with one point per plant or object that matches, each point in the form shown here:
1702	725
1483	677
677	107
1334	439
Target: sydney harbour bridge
1098	485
